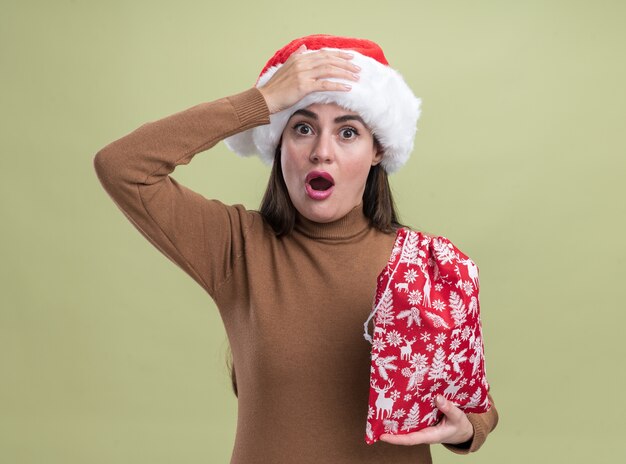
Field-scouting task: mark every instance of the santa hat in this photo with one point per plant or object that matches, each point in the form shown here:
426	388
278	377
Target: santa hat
381	97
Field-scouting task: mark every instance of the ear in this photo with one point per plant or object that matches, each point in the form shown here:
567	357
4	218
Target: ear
378	156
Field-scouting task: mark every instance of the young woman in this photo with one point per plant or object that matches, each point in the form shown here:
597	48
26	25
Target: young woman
295	281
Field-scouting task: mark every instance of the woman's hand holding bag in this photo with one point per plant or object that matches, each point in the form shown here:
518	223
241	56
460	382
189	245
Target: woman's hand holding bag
453	428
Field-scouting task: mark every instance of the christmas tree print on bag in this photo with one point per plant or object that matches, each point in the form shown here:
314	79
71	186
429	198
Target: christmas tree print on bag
427	336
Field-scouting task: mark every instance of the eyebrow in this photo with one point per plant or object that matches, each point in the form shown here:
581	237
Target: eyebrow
339	119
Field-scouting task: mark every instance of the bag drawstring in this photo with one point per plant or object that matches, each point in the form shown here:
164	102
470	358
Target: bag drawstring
366	334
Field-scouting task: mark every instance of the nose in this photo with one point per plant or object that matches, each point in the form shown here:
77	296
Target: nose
323	150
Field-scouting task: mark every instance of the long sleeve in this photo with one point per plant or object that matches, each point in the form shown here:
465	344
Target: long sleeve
483	424
204	237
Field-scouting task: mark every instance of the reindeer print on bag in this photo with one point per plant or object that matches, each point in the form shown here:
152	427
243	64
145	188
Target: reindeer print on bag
427	336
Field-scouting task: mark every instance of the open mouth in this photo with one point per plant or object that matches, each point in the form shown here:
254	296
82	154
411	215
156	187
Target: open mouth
319	184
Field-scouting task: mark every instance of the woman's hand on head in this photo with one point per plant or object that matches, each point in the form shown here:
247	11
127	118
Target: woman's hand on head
304	73
454	428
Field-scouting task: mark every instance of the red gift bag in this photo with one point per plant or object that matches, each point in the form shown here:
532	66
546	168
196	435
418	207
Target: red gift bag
427	336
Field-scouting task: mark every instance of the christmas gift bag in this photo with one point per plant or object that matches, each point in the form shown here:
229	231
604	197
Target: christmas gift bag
427	336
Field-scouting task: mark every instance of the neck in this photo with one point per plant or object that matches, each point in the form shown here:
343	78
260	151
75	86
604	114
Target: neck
348	226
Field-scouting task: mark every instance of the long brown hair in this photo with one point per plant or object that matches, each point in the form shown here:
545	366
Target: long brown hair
279	212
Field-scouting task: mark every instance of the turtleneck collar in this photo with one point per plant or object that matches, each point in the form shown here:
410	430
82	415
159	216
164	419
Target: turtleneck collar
343	228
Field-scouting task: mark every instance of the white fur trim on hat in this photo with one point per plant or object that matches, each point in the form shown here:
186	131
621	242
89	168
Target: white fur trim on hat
381	97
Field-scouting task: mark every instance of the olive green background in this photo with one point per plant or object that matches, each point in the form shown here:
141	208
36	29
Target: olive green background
109	353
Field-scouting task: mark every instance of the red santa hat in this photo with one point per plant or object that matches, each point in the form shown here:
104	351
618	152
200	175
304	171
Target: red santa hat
381	97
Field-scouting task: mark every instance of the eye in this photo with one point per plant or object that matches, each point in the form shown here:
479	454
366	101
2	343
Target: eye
303	129
349	133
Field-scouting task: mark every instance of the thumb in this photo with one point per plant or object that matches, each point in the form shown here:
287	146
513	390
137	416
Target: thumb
448	408
301	48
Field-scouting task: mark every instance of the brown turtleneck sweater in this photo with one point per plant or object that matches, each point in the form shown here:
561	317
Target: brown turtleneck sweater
293	307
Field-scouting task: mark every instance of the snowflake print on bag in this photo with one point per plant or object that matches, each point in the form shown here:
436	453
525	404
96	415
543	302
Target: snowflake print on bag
439	305
428	336
379	344
410	275
415	297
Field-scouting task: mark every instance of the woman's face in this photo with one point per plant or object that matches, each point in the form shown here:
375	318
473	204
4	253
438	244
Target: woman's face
326	155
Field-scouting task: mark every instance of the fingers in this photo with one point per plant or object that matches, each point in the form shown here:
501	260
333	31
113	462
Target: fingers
326	70
449	409
312	79
304	73
322	58
301	49
317	78
321	61
461	428
454	427
429	435
313	69
319	54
